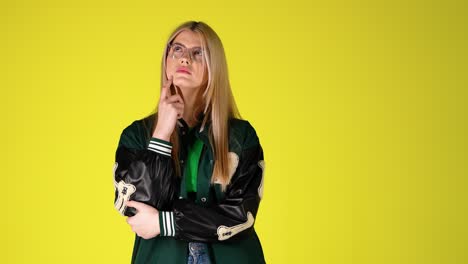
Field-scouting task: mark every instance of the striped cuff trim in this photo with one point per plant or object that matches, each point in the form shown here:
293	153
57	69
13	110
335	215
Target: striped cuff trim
160	146
166	223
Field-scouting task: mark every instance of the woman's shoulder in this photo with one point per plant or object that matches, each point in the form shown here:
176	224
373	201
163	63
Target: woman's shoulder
136	134
243	131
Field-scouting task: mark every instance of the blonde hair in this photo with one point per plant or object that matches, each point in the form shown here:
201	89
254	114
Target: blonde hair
217	100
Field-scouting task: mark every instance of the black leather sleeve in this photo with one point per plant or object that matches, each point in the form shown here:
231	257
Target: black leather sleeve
234	217
144	176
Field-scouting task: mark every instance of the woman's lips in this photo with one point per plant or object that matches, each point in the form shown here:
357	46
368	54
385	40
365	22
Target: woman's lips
182	70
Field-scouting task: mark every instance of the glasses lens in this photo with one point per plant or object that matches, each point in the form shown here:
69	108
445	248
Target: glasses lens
177	50
197	54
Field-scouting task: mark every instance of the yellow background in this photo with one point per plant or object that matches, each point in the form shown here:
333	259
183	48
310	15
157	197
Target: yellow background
361	107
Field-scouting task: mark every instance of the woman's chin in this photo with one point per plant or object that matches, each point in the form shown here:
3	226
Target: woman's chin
184	85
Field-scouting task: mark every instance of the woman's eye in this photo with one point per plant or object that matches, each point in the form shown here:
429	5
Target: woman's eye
177	48
197	52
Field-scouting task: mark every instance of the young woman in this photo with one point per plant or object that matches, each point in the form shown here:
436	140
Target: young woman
190	176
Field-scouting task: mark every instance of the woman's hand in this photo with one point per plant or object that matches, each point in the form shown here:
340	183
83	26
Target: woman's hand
170	108
146	222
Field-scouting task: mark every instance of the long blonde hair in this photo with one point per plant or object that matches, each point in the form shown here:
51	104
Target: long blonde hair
217	100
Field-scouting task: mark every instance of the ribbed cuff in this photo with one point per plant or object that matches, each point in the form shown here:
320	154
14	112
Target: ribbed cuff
166	223
160	146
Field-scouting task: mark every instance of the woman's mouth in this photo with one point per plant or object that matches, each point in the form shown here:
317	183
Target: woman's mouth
183	70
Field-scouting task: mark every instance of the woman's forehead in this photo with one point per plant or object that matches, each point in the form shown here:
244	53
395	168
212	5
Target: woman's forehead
188	38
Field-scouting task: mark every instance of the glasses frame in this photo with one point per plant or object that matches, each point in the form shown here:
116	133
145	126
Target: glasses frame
171	53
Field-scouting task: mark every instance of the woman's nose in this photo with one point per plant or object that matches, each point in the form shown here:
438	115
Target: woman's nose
184	60
185	57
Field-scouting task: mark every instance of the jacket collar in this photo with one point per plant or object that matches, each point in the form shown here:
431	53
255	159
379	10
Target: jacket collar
201	129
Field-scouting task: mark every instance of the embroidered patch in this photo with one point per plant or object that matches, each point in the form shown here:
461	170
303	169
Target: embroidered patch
116	164
124	191
233	160
261	164
233	163
225	232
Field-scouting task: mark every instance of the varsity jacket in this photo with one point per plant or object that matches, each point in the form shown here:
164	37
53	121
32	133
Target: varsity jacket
224	220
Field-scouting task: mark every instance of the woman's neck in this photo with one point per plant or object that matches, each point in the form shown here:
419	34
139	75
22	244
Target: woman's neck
190	103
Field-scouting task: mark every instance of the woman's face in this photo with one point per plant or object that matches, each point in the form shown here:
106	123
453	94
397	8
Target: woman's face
185	61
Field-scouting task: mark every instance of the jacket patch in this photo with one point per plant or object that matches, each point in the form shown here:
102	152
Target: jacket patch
115	168
233	160
124	192
225	232
261	164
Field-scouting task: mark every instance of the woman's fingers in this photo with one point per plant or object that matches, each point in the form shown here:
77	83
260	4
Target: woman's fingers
180	109
174	98
170	108
177	105
174	107
168	82
165	90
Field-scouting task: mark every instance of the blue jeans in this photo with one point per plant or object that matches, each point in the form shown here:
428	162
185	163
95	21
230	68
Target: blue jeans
198	253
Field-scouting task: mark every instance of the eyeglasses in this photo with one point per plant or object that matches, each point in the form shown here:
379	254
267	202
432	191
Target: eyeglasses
177	51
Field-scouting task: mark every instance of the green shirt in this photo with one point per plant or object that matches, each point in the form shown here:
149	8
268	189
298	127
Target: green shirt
191	169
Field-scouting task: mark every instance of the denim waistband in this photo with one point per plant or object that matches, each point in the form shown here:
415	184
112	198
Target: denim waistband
198	246
198	253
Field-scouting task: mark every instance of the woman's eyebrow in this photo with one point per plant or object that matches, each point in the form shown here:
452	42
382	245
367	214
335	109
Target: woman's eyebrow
185	46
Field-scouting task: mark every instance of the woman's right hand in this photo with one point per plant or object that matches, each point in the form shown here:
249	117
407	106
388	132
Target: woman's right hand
170	108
